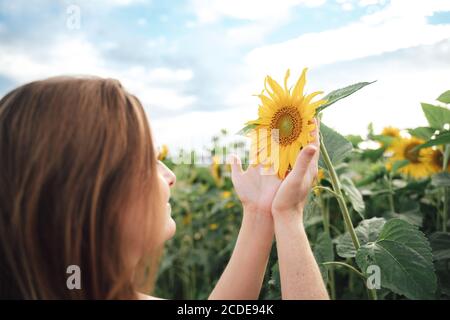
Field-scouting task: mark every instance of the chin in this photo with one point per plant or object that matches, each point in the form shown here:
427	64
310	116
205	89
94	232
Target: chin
171	228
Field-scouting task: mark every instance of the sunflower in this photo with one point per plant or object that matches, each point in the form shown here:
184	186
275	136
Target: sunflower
187	219
163	151
391	132
437	159
225	195
287	117
216	171
419	165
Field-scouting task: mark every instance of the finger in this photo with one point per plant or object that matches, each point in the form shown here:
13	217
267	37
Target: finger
316	133
303	161
236	164
316	141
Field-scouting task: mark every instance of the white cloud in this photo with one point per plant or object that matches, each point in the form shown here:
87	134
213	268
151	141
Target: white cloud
253	10
396	46
365	3
402	24
393	100
159	88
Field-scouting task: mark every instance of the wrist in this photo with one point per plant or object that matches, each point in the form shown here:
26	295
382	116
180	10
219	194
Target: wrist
255	209
292	216
253	220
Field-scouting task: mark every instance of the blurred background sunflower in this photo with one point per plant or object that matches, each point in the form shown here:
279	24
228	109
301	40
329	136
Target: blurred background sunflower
419	163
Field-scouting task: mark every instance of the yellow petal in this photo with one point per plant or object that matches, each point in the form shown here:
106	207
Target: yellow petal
266	101
264	112
316	104
298	89
309	97
286	77
293	152
283	163
276	88
274	97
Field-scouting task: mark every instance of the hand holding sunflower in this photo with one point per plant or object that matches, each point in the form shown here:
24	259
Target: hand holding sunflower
293	192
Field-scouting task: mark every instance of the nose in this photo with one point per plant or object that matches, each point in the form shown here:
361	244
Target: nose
168	174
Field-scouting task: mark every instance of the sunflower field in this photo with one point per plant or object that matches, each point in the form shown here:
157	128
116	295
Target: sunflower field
377	219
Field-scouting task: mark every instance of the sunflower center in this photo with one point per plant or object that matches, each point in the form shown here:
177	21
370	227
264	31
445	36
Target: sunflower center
410	154
289	123
438	159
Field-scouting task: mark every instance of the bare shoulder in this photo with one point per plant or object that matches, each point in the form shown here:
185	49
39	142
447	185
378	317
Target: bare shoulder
142	296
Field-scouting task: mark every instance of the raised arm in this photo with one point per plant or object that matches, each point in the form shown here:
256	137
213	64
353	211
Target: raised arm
244	274
299	272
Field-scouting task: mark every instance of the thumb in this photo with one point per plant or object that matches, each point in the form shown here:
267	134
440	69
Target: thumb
303	160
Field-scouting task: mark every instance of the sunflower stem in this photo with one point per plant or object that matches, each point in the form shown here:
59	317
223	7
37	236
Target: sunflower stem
343	264
335	183
326	228
340	198
391	195
446	189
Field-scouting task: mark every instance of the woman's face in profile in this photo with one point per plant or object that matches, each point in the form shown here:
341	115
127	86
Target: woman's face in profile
135	244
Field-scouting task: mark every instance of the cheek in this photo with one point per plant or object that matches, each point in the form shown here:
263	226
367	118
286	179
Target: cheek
166	211
135	232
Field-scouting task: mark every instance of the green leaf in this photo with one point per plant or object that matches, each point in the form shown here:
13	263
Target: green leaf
445	97
446	155
355	140
367	231
398	165
443	138
441	179
373	154
274	282
336	95
385	140
404	257
409	211
245	130
437	116
440	243
323	252
424	133
311	210
353	194
337	146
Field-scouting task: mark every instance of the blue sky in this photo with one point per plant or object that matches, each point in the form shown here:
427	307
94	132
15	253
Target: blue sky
195	64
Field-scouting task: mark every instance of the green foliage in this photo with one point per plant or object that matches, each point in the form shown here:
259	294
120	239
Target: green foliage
323	251
336	95
437	116
424	133
441	179
396	216
440	243
338	147
353	195
404	257
444	97
443	138
367	231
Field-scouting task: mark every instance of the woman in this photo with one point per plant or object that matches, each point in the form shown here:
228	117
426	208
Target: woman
80	185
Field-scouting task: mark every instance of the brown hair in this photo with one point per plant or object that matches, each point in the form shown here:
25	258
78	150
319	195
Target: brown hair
76	157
